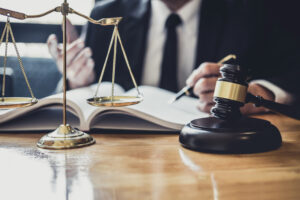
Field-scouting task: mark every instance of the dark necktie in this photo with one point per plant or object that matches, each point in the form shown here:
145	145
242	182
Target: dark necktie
168	78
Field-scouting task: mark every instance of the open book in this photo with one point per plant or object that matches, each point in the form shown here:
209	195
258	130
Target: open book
152	114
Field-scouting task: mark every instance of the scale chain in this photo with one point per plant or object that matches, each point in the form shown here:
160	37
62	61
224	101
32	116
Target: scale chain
1	40
116	37
3	33
20	61
114	66
127	62
5	60
105	62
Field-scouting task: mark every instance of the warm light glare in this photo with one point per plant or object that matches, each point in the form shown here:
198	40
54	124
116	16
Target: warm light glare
43	176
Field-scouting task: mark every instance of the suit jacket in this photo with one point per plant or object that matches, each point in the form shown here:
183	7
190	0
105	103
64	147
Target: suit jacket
262	33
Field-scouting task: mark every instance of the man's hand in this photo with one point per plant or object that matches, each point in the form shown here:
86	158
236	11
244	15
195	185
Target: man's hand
204	80
80	65
257	90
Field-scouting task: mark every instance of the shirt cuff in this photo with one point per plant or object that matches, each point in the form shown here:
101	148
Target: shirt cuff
281	96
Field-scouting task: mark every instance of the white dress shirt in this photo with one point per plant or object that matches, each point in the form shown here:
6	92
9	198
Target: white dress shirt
280	95
187	34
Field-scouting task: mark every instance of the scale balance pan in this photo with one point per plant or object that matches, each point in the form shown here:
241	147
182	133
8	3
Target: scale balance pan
115	101
16	102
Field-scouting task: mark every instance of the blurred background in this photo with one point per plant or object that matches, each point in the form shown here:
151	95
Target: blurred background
31	36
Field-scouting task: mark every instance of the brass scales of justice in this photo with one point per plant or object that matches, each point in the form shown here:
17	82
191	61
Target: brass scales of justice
66	137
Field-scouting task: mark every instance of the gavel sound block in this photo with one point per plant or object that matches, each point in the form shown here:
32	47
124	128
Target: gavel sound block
228	131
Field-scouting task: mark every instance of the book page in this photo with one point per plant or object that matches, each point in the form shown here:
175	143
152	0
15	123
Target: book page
76	104
116	120
80	96
156	105
43	119
154	108
8	114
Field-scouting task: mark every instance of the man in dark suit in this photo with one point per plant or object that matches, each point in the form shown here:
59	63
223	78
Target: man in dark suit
262	34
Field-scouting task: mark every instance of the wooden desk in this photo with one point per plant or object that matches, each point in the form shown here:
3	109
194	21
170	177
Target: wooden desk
135	166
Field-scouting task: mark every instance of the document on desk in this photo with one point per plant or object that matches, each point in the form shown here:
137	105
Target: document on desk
152	114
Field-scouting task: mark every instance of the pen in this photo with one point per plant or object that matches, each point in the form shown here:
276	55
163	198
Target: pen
187	90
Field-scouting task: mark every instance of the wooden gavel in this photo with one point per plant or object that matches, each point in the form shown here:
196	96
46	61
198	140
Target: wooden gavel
231	94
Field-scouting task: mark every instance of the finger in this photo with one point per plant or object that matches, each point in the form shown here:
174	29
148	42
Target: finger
205	107
80	61
73	50
207	97
205	85
259	90
85	69
53	46
86	74
71	32
205	70
249	108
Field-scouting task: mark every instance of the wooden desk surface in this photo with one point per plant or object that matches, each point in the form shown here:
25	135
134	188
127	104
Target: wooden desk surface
152	166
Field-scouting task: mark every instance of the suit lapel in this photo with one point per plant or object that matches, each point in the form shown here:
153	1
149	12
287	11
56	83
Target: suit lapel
211	24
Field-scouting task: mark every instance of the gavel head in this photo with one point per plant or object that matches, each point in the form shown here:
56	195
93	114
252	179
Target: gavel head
230	92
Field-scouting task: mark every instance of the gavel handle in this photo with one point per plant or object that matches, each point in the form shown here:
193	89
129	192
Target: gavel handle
290	111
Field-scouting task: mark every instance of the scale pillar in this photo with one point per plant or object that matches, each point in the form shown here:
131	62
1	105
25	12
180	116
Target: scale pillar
65	137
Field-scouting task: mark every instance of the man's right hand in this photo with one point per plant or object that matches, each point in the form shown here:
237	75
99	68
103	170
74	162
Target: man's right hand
204	80
80	65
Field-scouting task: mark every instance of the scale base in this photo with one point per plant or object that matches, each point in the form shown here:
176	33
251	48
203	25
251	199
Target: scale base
65	137
245	135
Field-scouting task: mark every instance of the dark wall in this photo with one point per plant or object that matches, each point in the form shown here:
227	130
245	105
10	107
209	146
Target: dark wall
35	33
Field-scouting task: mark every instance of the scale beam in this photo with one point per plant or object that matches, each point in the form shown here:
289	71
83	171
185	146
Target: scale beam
65	10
